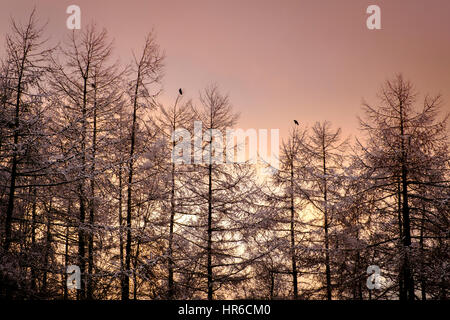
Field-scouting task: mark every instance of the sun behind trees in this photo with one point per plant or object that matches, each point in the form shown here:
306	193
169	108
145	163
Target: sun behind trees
86	179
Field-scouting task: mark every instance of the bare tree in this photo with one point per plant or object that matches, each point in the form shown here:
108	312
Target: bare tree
147	72
290	177
25	67
406	151
323	175
85	86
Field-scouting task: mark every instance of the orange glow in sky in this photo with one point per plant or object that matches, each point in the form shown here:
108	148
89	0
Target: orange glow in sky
309	60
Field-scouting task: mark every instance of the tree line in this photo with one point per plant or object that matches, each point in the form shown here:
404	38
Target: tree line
86	179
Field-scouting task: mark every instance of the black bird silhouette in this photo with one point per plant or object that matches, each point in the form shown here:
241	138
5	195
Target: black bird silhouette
296	122
93	85
180	91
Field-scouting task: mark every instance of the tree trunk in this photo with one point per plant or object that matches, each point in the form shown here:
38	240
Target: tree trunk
66	252
81	246
293	258
422	255
325	195
209	248
126	282
48	243
135	264
12	184
171	224
272	284
122	274
81	234
33	238
89	290
406	269
172	216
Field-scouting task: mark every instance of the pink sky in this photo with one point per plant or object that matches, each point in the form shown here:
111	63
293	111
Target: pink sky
279	60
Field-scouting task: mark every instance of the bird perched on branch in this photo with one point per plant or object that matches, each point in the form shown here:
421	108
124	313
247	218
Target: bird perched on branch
180	91
296	122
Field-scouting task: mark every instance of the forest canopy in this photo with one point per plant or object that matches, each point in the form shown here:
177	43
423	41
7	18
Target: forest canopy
86	180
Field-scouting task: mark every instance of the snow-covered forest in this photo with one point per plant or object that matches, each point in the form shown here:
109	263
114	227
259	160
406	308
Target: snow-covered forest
86	179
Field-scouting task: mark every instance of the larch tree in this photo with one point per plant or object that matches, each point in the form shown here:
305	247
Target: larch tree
406	157
23	144
222	196
178	116
85	85
289	199
143	88
323	176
